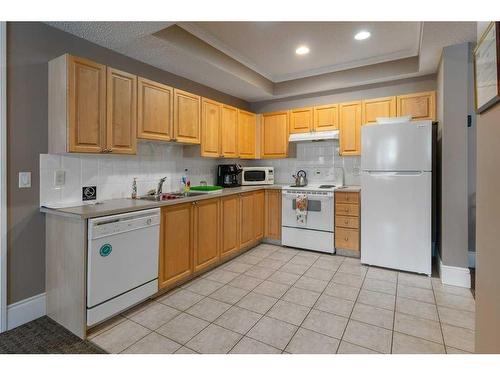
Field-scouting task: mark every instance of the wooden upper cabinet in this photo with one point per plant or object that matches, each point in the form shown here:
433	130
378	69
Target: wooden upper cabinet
229	132
206	234
258	214
350	128
86	104
421	106
380	107
230	225
155	112
301	120
121	137
326	117
187	117
210	128
247	123
274	135
176	244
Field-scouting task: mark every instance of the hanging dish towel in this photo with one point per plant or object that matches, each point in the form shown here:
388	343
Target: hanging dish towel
301	209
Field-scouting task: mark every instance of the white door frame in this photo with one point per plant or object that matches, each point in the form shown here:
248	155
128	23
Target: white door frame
3	176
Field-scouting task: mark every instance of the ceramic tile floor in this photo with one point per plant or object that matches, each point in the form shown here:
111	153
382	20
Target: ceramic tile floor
281	300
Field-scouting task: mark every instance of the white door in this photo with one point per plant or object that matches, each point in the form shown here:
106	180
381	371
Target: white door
396	220
397	147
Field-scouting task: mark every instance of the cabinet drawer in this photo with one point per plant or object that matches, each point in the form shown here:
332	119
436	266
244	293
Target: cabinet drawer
347	222
347	197
347	209
347	239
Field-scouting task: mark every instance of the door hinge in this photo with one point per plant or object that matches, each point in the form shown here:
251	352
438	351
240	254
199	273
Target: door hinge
469	121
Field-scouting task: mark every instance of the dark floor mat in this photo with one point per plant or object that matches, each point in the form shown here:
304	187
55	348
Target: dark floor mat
44	336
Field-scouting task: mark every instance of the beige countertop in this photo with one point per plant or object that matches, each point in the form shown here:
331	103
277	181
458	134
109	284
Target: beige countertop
122	205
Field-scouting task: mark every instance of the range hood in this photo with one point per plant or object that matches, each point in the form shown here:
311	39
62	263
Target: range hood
314	136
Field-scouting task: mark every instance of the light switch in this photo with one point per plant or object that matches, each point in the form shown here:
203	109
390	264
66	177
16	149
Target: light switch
59	178
24	180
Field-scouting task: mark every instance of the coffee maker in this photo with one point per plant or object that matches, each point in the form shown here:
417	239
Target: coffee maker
228	175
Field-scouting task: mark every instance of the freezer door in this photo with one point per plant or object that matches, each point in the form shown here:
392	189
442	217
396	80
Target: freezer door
396	220
397	147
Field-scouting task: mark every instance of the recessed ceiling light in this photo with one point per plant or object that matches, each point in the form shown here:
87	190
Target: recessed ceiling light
302	50
362	35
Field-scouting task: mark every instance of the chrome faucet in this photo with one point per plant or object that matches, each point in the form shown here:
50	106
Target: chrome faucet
160	186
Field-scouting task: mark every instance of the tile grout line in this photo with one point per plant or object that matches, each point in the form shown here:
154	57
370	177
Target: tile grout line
277	300
394	313
439	319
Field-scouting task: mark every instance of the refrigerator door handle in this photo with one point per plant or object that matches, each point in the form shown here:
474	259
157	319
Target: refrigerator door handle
407	173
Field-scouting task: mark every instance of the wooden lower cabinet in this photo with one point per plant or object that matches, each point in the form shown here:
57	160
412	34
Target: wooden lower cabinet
197	236
230	225
347	219
258	215
273	215
176	244
247	233
206	234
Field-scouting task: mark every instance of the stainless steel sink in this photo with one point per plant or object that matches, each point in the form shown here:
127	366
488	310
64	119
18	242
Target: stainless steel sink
169	196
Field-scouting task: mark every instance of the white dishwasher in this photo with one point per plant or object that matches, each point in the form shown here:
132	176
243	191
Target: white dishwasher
122	262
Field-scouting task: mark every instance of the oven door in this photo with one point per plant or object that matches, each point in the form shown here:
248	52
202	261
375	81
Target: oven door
320	213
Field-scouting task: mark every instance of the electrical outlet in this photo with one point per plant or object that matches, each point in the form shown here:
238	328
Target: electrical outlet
24	180
59	178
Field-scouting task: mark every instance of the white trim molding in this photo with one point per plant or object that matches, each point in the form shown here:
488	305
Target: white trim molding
3	176
25	311
456	276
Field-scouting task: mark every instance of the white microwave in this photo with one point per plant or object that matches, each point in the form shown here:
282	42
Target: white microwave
257	176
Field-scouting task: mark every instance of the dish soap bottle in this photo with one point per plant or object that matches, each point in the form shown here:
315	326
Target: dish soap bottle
134	188
186	183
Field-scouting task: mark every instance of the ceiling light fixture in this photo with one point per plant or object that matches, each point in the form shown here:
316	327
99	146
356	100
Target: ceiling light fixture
302	50
362	35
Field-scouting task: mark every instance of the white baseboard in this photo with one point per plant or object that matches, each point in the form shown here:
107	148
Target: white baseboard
25	311
456	276
472	259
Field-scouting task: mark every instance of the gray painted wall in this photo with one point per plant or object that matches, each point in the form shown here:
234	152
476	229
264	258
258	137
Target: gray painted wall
30	46
379	90
455	145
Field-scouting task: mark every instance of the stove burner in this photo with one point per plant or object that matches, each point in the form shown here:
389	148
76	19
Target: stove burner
326	186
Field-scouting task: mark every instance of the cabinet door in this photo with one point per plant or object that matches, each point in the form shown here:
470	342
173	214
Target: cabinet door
187	109
121	136
206	244
274	135
258	214
326	117
380	107
247	233
175	244
230	225
86	105
421	106
273	214
229	134
301	120
210	128
155	113
247	123
350	128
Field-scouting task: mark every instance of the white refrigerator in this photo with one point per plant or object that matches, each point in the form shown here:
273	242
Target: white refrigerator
396	196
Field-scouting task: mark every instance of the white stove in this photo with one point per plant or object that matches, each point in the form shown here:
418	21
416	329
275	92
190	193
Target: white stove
316	232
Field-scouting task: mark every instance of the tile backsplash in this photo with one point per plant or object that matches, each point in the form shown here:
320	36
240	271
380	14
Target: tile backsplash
320	160
113	174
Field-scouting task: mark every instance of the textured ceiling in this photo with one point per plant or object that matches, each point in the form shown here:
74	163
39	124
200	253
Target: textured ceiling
256	60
